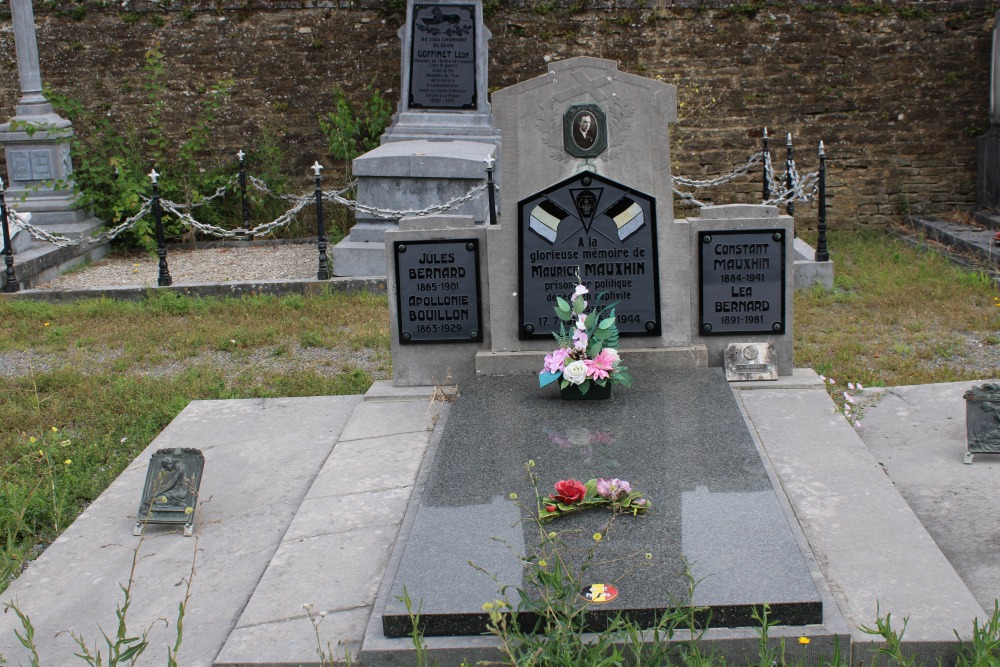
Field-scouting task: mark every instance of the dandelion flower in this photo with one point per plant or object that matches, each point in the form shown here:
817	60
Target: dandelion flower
542	563
46	324
68	461
598	537
804	641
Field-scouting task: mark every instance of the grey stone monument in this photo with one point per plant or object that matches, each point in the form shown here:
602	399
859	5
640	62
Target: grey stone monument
988	145
596	199
441	139
36	144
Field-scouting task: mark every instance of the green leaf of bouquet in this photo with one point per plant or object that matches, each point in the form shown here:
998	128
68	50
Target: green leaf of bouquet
585	387
562	304
624	378
590	321
607	323
579	304
545	378
564	315
591	485
602	334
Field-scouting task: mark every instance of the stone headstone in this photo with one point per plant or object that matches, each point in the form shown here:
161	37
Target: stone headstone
587	185
744	281
444	73
438	285
988	145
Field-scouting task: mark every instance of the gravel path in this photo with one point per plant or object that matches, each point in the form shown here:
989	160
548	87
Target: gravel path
215	265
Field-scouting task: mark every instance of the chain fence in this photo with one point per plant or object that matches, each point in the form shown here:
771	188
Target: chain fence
787	188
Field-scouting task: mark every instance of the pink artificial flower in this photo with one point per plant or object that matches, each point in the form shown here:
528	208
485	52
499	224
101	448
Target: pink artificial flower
613	489
581	321
599	368
555	362
580	339
579	291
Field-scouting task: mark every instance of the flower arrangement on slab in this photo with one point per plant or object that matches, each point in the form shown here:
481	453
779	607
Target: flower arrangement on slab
586	353
573	495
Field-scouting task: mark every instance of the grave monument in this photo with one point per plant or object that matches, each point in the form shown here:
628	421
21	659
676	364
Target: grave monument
441	139
588	199
36	144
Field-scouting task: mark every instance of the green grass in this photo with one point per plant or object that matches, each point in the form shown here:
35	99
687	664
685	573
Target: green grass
896	316
106	412
119	372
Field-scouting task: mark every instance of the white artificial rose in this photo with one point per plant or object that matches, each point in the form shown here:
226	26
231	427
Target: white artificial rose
575	372
611	354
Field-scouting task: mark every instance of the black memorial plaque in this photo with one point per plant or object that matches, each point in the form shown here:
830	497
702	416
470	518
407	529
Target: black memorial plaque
443	57
603	231
742	287
437	291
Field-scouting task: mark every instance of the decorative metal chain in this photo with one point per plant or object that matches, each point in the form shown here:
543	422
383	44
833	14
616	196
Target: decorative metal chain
389	214
688	197
733	175
65	241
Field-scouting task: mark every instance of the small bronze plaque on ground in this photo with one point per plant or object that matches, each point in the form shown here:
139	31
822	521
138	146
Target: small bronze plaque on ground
443	57
982	420
742	282
437	291
170	494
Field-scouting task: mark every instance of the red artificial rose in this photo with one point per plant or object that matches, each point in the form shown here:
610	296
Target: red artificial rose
569	491
551	508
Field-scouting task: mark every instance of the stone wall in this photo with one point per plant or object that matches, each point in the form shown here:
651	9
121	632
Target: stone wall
897	91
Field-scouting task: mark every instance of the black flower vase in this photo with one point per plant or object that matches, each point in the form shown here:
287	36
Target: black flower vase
596	392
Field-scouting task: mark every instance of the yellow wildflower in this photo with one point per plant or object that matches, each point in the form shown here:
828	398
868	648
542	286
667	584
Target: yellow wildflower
804	641
68	461
513	496
598	537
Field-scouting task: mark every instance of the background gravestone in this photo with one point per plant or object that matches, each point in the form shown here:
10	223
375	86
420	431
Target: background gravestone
442	137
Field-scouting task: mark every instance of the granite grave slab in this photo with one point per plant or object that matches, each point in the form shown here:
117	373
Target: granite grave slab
677	435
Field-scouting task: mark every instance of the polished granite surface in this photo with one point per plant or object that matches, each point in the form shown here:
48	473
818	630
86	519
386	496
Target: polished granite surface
677	436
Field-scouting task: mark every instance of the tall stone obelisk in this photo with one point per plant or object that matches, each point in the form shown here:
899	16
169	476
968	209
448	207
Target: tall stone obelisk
36	144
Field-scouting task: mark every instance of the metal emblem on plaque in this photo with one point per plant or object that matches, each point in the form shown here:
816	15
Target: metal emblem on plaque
170	494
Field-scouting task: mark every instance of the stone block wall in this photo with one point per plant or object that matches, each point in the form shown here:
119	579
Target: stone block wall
897	91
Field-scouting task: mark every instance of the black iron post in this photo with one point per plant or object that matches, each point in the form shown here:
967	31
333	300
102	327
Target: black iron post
243	191
324	264
9	278
164	279
822	254
789	181
491	191
767	181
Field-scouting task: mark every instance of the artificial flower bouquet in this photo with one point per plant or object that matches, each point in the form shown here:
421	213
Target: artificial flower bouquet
572	496
586	352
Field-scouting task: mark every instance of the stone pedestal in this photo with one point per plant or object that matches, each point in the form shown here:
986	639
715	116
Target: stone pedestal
409	176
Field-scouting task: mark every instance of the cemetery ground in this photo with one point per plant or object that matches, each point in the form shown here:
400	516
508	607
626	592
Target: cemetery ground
87	385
